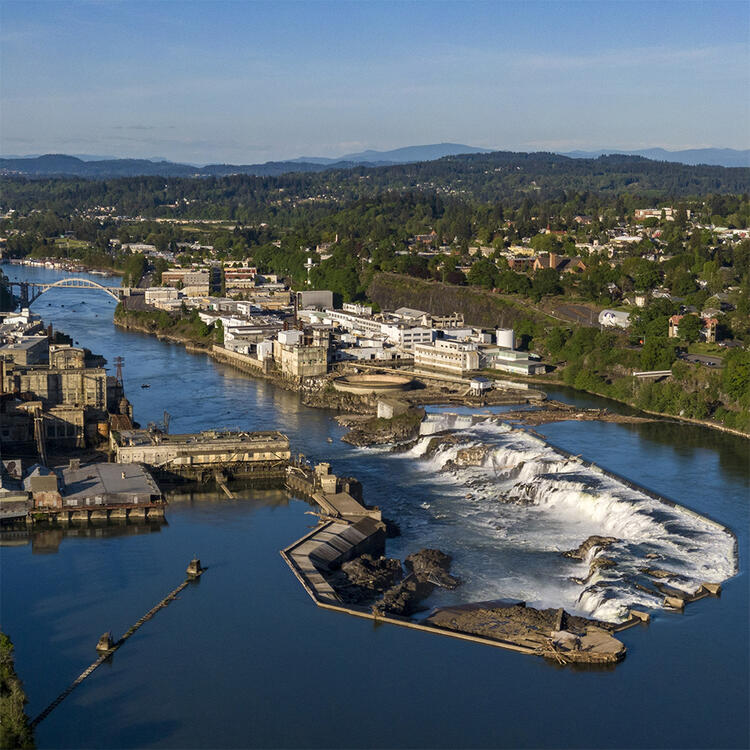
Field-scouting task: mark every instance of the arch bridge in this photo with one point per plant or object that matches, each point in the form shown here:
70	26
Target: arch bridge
29	291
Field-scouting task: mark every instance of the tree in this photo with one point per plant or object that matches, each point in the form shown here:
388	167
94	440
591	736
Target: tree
735	378
683	283
514	283
545	243
556	340
482	273
658	353
644	273
690	328
455	277
546	281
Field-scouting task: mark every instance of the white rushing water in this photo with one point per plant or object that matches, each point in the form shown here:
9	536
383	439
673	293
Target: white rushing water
507	520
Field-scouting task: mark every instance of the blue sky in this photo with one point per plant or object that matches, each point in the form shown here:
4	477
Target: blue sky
245	82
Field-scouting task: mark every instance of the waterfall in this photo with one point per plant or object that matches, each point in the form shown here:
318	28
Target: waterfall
506	504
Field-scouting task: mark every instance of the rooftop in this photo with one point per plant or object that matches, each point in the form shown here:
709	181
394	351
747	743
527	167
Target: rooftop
153	437
107	479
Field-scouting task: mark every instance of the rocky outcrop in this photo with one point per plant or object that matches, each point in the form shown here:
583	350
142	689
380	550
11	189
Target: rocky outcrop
598	563
660	573
553	633
432	565
428	569
473	456
324	396
481	307
373	574
442	439
376	431
580	552
404	599
514	618
555	411
363	579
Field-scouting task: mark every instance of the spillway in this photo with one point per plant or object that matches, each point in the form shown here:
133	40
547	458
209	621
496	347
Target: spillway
509	504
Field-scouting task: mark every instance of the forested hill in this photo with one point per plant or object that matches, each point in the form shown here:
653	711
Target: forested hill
61	165
498	176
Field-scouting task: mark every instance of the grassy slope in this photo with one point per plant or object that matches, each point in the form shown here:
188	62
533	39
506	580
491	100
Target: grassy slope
479	306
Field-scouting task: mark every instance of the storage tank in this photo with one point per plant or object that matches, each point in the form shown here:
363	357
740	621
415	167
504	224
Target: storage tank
505	338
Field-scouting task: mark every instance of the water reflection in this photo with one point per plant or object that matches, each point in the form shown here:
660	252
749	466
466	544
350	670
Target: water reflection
228	664
681	437
46	539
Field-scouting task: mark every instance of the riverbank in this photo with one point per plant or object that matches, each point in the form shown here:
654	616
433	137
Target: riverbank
545	380
69	266
15	729
403	429
316	392
128	320
319	392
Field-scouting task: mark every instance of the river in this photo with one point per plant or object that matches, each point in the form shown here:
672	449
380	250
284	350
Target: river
244	659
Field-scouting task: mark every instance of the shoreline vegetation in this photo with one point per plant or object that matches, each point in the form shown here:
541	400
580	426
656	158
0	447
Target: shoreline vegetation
597	361
15	728
197	337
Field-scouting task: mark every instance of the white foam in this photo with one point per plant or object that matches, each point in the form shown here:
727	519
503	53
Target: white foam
506	523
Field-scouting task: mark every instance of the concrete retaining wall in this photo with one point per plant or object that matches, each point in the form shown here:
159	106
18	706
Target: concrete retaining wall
241	361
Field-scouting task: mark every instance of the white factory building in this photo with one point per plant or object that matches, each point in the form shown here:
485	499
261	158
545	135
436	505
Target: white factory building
455	357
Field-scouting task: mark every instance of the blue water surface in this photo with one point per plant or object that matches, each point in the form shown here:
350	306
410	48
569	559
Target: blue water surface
244	659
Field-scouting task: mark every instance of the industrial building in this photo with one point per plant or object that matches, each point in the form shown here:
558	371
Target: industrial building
94	491
97	485
65	402
510	360
456	357
200	454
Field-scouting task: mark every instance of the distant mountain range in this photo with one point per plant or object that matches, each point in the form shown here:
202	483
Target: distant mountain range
403	155
51	165
58	165
718	157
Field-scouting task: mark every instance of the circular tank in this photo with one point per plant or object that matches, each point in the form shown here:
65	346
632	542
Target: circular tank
506	338
372	383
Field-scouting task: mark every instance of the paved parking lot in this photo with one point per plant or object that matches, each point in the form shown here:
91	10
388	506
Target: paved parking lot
703	359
